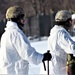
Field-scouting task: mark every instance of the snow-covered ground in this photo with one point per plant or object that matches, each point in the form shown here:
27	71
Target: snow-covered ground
41	47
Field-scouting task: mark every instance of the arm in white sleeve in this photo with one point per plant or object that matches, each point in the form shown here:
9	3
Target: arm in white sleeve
66	43
25	50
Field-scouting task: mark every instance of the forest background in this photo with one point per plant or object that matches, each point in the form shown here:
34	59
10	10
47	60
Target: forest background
39	14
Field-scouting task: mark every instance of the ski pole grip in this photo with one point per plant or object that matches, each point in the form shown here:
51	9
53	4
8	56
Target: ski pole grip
48	51
44	61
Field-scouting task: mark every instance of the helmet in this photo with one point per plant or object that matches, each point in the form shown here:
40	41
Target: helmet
14	12
62	15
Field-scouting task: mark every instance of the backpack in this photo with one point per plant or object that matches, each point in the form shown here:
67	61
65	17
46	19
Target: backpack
70	65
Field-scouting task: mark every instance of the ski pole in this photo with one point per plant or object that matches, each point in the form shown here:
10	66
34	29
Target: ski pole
48	65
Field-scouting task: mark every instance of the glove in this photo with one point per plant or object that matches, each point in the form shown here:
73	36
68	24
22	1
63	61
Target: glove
47	56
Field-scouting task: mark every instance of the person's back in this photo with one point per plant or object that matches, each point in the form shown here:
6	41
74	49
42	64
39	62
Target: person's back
16	51
59	55
70	63
60	42
12	61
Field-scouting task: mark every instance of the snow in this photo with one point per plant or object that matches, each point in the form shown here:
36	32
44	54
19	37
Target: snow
41	47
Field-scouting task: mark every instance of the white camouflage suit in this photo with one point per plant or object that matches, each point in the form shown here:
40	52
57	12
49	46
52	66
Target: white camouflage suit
59	44
16	52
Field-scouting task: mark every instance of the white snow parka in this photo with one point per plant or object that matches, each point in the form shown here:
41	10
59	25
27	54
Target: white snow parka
16	51
59	44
